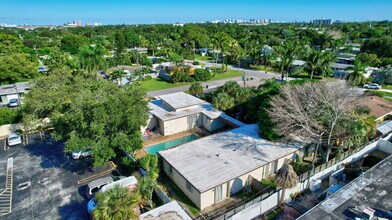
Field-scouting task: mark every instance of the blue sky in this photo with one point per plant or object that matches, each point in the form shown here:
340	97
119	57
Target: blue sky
170	11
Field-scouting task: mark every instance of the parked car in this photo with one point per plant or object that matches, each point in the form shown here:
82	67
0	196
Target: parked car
13	103
95	185
14	139
79	154
127	182
372	86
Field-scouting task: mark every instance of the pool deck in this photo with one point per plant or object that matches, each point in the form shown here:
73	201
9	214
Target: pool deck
141	153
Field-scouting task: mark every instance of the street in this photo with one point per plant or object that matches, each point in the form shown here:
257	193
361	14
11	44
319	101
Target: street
256	75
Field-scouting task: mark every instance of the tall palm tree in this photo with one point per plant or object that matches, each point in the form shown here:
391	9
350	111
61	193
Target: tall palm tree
313	62
92	59
116	203
286	178
286	52
325	66
357	78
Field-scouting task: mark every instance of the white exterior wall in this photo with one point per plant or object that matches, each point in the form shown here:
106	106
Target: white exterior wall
151	123
180	181
174	126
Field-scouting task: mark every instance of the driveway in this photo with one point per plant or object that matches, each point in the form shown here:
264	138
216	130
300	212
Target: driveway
44	181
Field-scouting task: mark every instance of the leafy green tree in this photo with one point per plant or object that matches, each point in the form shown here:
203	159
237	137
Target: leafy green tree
9	116
202	74
312	62
223	101
369	59
119	43
196	89
72	43
90	114
92	60
10	44
266	54
147	184
17	67
116	203
384	76
382	47
356	77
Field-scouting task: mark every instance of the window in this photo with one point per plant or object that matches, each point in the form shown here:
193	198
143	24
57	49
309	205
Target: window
170	170
189	186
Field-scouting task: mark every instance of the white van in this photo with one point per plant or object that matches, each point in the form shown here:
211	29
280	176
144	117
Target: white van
95	185
128	182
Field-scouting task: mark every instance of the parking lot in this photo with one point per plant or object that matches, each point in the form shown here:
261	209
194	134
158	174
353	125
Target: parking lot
45	181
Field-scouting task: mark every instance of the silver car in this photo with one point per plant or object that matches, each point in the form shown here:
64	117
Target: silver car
372	86
14	139
13	103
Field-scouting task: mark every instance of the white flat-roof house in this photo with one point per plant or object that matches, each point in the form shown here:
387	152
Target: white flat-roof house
177	112
212	168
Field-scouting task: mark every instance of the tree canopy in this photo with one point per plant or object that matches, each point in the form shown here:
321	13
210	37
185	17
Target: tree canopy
90	114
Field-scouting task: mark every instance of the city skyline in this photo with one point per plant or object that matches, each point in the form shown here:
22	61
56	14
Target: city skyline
47	12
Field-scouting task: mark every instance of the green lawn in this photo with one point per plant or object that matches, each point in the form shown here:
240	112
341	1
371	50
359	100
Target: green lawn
229	74
263	68
200	57
387	87
384	95
158	83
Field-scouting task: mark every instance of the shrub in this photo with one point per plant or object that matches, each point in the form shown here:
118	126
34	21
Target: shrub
181	76
196	62
268	183
9	116
196	89
202	75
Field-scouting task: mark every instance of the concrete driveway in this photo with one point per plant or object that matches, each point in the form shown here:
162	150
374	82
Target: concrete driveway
44	182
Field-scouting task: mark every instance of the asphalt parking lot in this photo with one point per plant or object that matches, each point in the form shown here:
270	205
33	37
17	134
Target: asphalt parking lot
44	181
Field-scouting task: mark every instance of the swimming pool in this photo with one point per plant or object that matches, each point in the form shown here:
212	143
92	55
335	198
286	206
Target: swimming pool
153	149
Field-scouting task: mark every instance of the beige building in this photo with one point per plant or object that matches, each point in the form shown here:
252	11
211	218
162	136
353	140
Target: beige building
212	168
177	112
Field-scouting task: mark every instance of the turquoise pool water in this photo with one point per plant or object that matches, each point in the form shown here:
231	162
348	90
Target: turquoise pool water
153	149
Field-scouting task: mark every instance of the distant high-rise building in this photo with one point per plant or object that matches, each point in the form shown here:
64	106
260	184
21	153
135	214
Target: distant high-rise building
322	21
78	23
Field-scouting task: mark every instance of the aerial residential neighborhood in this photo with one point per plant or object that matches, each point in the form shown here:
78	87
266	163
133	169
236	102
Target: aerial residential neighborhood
177	110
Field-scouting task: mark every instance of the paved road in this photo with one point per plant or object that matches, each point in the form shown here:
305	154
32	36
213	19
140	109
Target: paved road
257	76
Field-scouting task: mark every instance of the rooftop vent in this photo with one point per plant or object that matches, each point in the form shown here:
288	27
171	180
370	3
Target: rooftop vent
218	155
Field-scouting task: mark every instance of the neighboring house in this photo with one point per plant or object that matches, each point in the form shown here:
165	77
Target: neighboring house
128	71
177	112
202	51
139	49
169	211
340	70
213	168
13	91
379	107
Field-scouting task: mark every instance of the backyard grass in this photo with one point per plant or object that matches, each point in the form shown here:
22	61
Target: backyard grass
175	193
274	213
158	83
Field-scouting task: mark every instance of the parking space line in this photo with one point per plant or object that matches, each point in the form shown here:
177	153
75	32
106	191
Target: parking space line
98	175
5	145
6	194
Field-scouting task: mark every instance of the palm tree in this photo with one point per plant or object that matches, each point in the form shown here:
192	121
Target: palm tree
286	52
223	101
196	89
357	78
286	178
325	66
91	59
313	62
117	75
116	203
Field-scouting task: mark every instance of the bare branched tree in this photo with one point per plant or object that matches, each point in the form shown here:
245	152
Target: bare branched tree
315	112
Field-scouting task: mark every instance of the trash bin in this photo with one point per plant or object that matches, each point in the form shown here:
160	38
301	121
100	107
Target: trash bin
206	86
